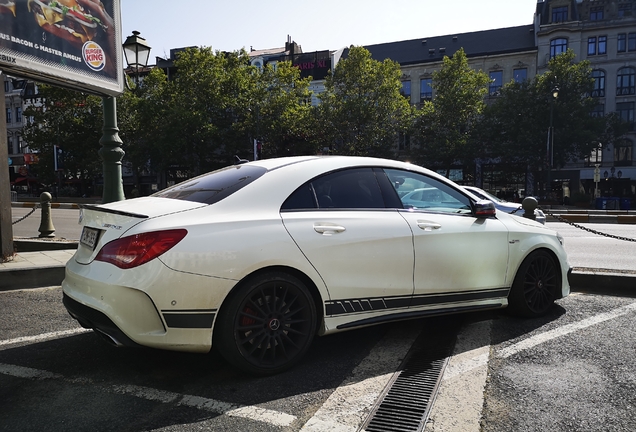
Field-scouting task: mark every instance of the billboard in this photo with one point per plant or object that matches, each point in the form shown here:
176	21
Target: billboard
71	43
315	64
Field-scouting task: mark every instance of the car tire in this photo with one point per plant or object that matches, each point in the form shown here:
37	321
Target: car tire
536	282
267	325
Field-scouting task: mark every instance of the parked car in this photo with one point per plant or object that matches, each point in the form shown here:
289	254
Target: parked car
505	206
256	259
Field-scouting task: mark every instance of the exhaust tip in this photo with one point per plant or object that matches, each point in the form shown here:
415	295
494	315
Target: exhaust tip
111	340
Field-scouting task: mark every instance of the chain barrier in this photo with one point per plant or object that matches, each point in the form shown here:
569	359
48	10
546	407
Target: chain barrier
559	218
26	215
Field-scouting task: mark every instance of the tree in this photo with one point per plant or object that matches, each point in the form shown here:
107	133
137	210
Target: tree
208	101
515	126
143	122
280	111
362	110
73	121
444	126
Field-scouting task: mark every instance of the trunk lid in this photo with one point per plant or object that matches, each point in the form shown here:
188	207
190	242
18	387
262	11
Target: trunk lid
106	222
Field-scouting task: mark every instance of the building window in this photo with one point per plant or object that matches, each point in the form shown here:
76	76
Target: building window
426	89
623	153
621	42
520	75
624	10
406	89
598	111
625	110
626	81
591	45
8	115
496	81
596	13
558	46
599	83
18	114
602	45
626	42
559	14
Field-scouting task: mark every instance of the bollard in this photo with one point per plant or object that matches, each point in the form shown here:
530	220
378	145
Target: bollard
46	223
529	205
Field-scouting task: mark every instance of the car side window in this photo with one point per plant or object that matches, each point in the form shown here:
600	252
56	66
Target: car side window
418	191
355	188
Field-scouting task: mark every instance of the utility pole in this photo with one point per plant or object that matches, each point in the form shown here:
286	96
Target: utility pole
6	227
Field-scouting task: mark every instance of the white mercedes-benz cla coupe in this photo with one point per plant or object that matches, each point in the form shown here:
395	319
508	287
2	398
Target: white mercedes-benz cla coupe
256	259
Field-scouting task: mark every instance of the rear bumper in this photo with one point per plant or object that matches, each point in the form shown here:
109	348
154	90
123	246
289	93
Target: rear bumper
96	320
151	306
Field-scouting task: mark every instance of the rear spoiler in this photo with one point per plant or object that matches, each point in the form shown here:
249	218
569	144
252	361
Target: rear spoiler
113	211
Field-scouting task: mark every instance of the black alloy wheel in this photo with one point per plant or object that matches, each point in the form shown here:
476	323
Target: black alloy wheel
268	325
535	285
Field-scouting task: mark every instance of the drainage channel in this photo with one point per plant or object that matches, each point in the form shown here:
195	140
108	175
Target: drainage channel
408	398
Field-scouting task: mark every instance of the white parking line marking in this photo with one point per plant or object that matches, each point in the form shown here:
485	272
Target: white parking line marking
255	413
44	336
564	330
25	372
460	398
275	418
350	404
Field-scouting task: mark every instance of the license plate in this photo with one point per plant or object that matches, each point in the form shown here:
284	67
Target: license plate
89	237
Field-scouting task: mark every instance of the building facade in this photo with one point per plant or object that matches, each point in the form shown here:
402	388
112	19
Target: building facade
601	31
19	95
505	54
604	33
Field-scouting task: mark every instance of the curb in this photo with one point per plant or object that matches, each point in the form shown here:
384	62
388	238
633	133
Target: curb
35	245
38	277
603	281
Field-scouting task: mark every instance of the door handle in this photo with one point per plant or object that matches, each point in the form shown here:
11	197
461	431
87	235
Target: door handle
428	226
328	229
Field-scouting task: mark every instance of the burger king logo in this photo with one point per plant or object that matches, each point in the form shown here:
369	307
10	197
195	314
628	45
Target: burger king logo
94	56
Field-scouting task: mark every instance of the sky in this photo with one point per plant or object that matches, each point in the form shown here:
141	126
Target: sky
229	25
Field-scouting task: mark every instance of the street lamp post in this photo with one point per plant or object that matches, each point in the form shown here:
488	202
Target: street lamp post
550	143
137	52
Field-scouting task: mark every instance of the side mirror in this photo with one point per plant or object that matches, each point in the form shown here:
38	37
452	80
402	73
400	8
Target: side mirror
484	209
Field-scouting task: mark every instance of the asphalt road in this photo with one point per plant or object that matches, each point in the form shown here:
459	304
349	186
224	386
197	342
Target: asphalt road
65	222
571	370
593	250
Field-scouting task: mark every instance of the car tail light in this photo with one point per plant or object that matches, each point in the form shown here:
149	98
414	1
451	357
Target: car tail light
135	250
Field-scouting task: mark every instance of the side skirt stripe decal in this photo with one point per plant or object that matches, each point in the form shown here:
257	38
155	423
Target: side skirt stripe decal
346	306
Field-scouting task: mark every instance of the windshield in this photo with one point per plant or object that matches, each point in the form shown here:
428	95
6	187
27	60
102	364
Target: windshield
483	194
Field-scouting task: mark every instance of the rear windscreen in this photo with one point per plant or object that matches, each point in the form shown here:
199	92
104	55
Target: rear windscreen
213	187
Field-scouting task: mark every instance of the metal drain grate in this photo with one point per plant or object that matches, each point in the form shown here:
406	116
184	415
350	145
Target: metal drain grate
407	402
